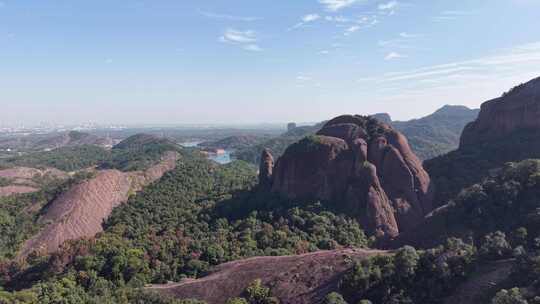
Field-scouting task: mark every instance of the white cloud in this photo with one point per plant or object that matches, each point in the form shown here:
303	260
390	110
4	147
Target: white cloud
310	18
409	35
235	36
302	79
403	41
324	52
388	6
341	19
352	29
465	82
352	25
228	17
451	15
306	19
336	5
253	48
393	55
245	39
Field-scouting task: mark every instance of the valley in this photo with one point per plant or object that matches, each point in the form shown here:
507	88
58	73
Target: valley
344	211
269	152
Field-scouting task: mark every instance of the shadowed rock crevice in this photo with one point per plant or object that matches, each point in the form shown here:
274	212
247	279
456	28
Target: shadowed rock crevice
362	164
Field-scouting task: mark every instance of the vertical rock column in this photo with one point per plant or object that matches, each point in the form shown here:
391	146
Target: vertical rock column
265	169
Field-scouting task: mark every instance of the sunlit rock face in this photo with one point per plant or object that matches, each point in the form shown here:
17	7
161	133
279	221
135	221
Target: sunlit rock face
519	109
361	164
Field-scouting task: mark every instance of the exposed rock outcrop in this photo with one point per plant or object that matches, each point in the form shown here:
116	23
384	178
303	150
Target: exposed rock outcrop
29	173
27	180
363	164
519	109
14	189
265	169
297	279
506	130
80	211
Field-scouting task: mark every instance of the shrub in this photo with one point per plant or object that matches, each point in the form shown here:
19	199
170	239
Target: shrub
495	246
334	298
257	293
237	301
512	296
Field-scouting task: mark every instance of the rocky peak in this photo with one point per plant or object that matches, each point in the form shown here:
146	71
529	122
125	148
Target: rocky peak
383	117
362	164
452	110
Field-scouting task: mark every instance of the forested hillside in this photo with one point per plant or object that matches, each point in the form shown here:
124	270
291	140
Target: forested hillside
438	133
198	215
137	152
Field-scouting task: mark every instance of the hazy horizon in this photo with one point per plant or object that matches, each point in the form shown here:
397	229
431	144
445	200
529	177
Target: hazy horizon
245	62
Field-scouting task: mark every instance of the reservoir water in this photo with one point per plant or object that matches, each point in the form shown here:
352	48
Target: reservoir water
221	158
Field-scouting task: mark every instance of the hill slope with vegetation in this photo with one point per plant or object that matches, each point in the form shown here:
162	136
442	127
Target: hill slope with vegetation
438	133
137	152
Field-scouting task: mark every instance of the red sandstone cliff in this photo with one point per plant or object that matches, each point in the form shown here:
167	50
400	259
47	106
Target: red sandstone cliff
363	164
518	109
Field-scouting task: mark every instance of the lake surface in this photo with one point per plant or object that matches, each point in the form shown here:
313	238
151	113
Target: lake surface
222	158
191	144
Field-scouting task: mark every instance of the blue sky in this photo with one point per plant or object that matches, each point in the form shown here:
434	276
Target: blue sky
245	61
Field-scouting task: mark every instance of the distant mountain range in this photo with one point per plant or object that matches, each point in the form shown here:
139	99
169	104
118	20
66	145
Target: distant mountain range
52	141
437	133
429	136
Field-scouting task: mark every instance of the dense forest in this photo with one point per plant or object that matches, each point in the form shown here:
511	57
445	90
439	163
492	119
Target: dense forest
198	215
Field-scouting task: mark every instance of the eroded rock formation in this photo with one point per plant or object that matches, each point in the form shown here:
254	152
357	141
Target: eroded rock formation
506	130
519	109
363	164
295	279
265	169
80	211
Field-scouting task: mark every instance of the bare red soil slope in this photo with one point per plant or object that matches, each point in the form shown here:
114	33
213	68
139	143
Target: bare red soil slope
297	279
80	211
23	180
14	189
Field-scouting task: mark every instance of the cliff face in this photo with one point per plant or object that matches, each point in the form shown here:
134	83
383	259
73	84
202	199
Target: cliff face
506	130
363	164
518	109
80	211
